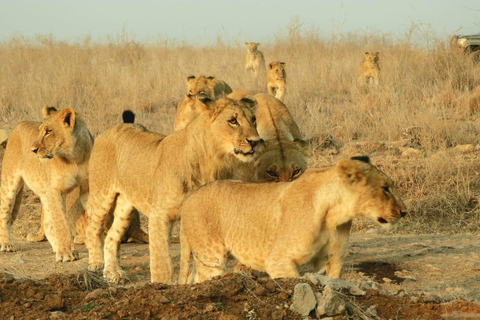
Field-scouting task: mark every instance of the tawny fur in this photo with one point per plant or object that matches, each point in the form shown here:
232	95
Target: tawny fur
277	80
208	87
254	62
152	173
284	155
276	227
61	148
370	69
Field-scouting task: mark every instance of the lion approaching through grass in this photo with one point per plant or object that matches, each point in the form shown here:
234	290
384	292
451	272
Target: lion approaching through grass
370	69
277	80
152	173
283	225
61	148
254	62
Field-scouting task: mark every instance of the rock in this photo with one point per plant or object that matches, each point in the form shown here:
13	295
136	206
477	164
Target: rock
412	153
303	299
368	284
430	297
6	278
329	303
57	315
337	284
95	294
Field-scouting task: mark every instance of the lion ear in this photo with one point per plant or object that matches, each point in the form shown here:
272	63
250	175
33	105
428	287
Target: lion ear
304	147
270	65
190	78
377	53
363	158
282	63
211	79
48	111
67	116
251	103
350	172
367	53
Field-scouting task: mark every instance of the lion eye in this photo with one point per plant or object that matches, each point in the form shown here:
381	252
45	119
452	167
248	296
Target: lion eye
233	122
47	132
296	172
386	190
272	174
254	120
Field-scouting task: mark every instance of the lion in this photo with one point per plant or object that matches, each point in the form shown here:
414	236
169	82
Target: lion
254	62
188	110
370	69
152	173
284	155
77	216
207	87
281	226
277	80
51	159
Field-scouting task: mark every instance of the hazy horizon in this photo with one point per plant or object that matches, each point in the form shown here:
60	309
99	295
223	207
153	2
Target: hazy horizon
202	22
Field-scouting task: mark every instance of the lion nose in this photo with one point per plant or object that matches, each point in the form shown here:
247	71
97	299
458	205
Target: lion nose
253	143
34	149
403	213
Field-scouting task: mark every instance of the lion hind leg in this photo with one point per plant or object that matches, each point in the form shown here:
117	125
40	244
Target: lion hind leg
281	267
209	263
98	209
134	232
9	206
123	209
40	235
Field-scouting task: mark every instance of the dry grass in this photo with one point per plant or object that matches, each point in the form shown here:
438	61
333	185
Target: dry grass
425	85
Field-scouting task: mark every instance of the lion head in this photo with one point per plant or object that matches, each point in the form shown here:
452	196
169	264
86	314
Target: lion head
379	200
233	122
55	133
252	46
201	87
372	57
282	160
277	70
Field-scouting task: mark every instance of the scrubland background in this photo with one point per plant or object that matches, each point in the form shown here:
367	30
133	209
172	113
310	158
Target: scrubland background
427	100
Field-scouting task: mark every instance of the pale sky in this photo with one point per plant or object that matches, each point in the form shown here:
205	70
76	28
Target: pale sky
201	21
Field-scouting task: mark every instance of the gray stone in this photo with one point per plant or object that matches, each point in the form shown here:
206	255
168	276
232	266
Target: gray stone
303	299
340	285
329	303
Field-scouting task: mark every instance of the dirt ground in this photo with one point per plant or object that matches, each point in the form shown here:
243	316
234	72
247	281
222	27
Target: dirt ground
404	277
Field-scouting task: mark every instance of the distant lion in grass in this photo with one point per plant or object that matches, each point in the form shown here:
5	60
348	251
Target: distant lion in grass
277	80
370	69
254	62
276	227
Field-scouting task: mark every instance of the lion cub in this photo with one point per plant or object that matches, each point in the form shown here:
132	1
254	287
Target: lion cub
254	62
370	69
276	227
51	159
277	80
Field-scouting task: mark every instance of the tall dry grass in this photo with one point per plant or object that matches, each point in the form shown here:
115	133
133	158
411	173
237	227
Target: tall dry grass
425	84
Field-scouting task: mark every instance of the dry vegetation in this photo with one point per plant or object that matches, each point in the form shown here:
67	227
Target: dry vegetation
425	98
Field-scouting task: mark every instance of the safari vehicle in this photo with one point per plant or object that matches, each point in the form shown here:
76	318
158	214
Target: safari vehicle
470	43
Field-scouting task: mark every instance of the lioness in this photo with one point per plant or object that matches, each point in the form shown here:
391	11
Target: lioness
188	110
283	225
61	148
254	62
77	216
370	69
277	80
143	170
284	155
207	87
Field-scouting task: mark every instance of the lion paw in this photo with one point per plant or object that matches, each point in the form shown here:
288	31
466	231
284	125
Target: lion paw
6	247
114	276
94	266
68	256
32	237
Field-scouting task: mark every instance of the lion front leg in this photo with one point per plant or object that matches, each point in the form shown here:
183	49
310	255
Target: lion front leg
280	93
336	250
56	227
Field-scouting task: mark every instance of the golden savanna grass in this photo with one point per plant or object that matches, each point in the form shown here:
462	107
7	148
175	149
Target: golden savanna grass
425	97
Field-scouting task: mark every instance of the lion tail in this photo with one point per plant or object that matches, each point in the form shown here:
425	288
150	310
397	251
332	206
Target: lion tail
128	116
185	253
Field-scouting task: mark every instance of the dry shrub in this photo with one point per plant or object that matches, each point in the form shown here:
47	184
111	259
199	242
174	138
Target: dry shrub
424	84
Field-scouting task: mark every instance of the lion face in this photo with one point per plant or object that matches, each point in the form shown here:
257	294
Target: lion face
277	69
282	161
201	87
235	123
55	134
372	57
379	199
252	46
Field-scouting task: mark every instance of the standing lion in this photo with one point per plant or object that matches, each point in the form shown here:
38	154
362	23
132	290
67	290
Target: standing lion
370	69
254	62
277	80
